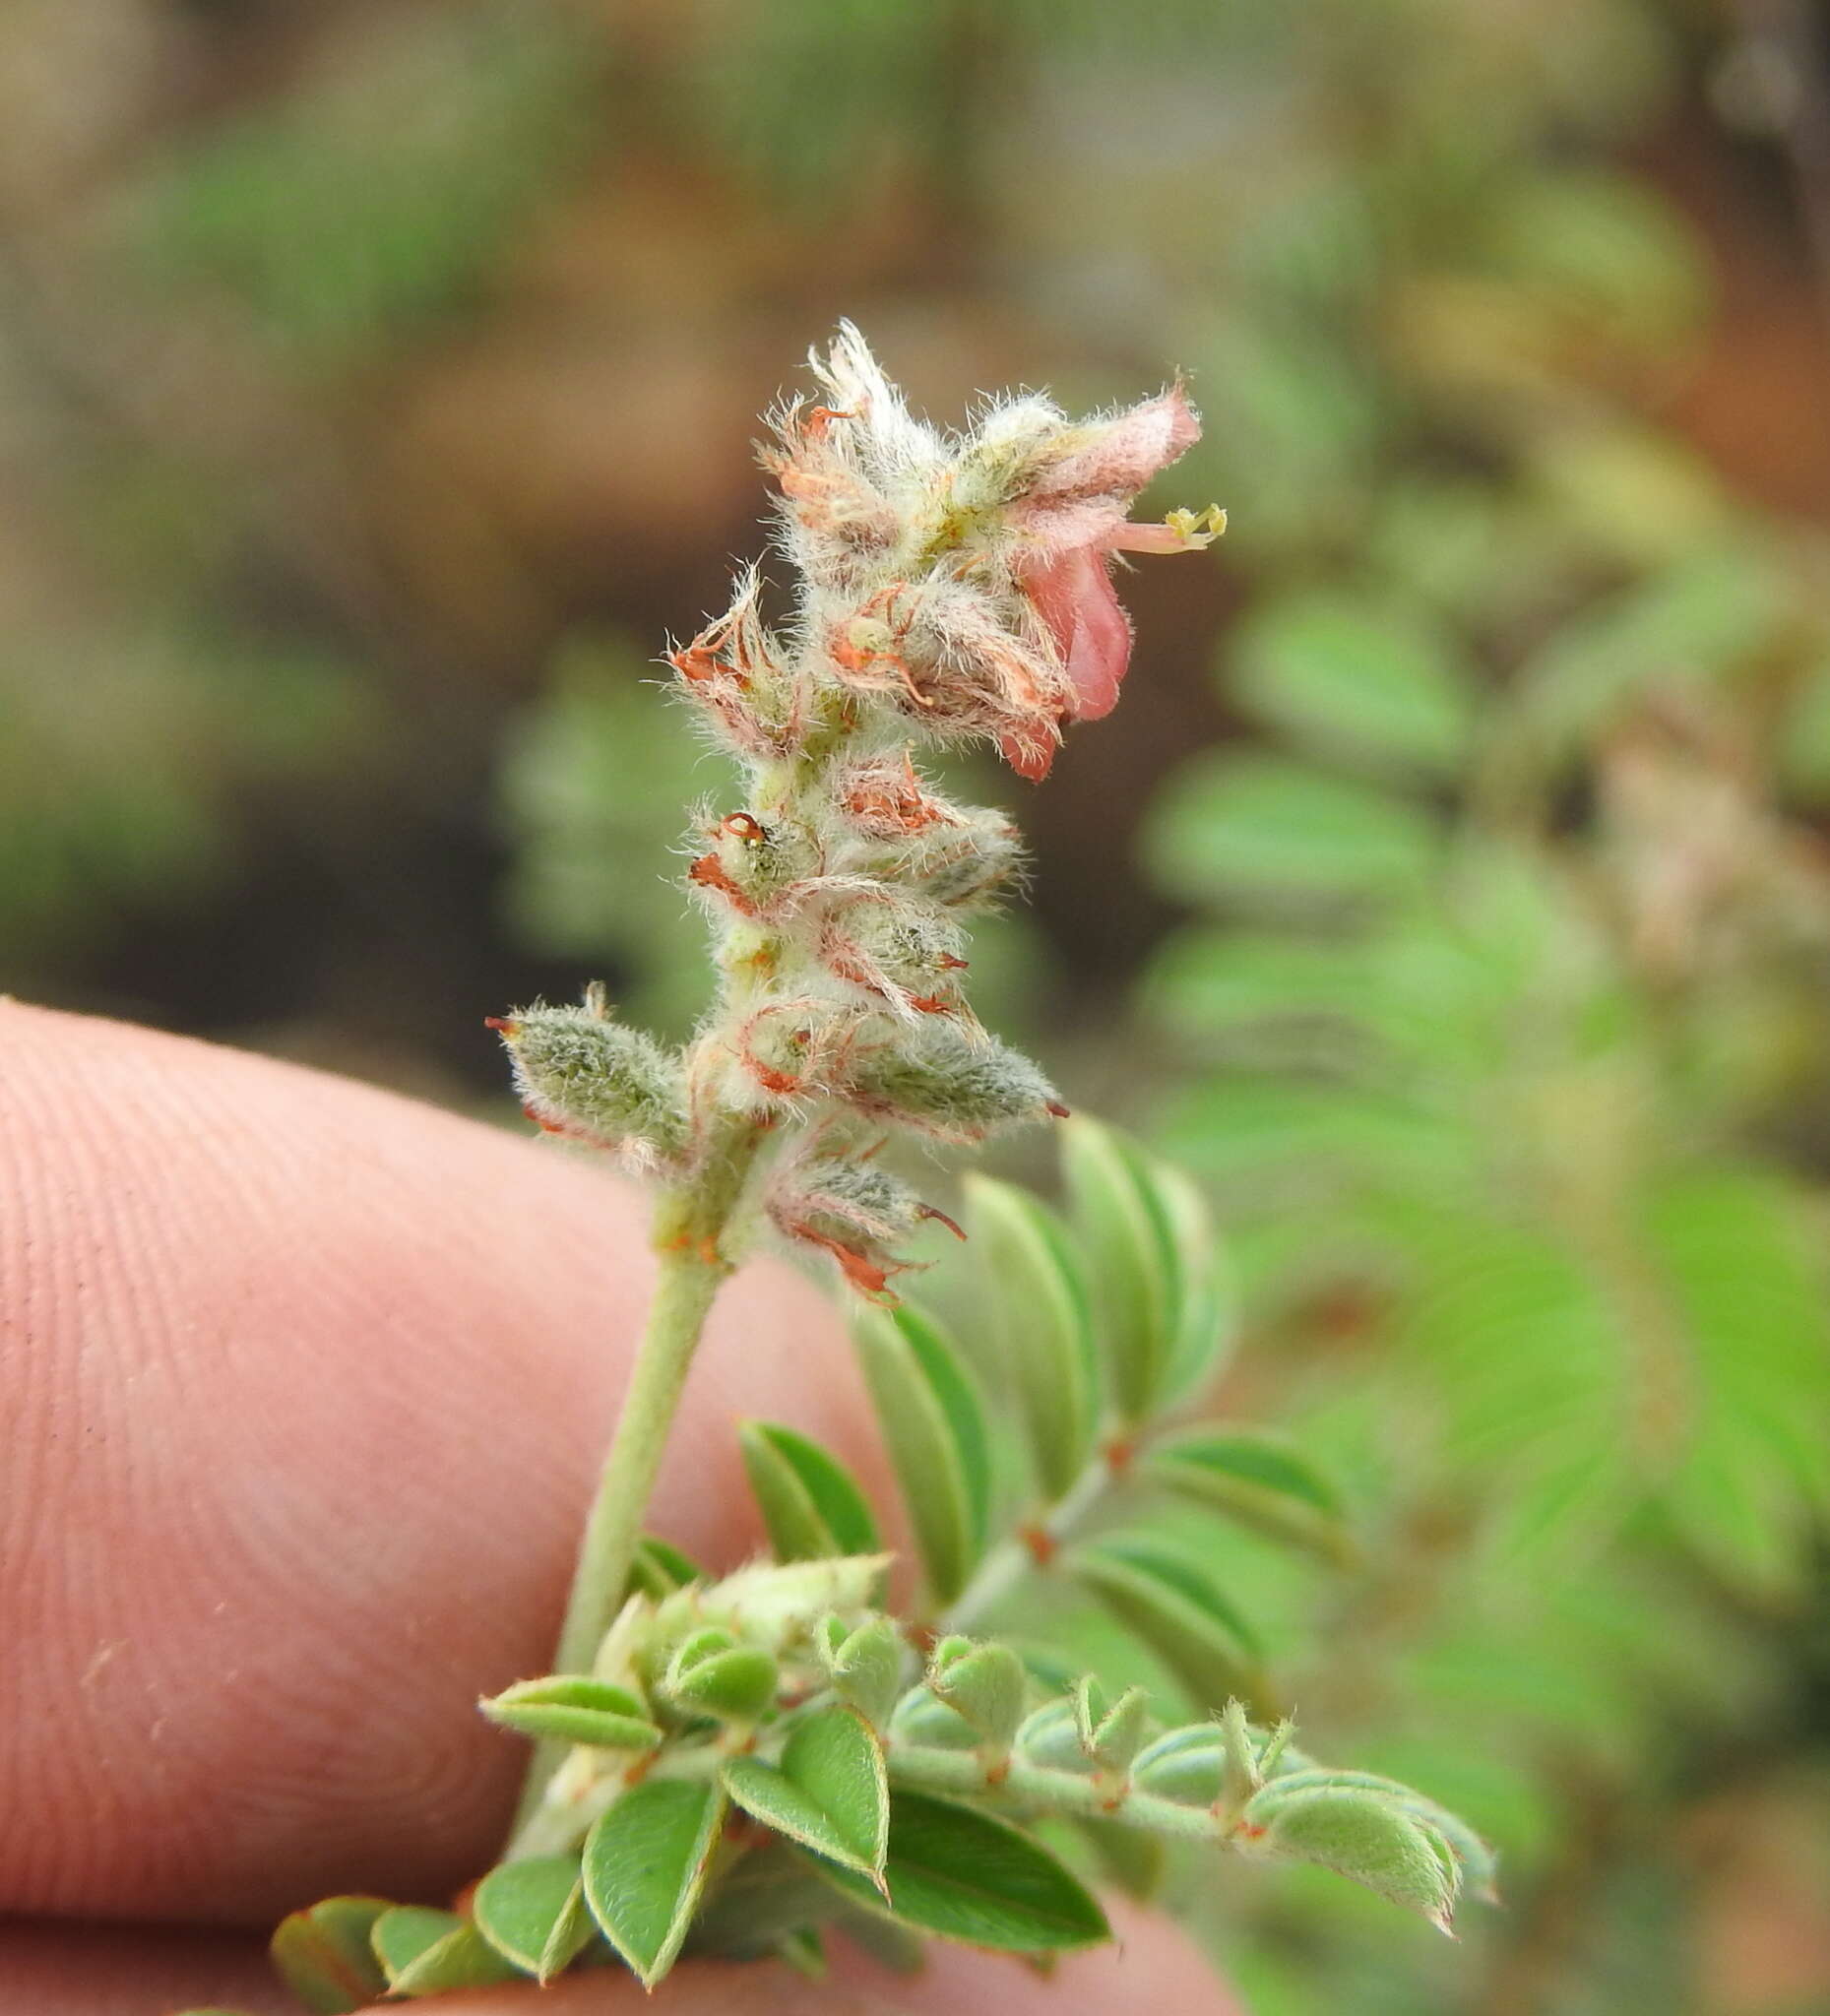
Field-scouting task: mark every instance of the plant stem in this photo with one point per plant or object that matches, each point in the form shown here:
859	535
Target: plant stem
1012	1559
690	1235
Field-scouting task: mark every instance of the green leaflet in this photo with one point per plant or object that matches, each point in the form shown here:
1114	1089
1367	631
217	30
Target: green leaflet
1043	1322
1257	1477
1178	1613
645	1866
933	1423
1479	1863
961	1874
1357	1833
1133	1261
574	1708
811	1505
432	1952
829	1791
534	1914
323	1955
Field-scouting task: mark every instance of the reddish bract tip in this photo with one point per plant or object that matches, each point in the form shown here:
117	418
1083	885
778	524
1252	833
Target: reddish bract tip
1060	1112
929	1210
503	1025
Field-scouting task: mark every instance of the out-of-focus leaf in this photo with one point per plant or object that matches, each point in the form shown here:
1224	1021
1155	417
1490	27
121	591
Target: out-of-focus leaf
369	201
645	1866
1134	1264
434	1952
534	1914
960	1874
1358	679
1698	621
1178	1613
1256	1476
1129	1858
659	1569
1210	1298
933	1423
323	1955
829	1791
1037	1306
811	1505
1246	826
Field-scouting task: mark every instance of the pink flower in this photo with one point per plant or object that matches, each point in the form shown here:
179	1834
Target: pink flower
1074	512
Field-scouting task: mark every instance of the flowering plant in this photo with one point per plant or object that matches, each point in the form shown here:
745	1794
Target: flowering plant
732	1764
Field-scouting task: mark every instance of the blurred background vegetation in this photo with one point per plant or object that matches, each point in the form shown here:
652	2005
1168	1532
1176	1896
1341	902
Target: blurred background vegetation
1452	891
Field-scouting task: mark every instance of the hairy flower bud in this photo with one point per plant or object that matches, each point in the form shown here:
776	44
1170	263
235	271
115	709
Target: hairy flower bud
585	1076
952	1086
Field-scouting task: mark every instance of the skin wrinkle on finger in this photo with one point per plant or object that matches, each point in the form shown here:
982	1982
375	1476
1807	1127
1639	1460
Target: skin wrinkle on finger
311	1383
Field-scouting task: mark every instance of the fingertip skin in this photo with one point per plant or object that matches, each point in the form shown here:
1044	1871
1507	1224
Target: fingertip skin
304	1387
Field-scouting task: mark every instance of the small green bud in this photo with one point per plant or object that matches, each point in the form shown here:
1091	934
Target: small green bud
711	1674
574	1708
1188	1765
778	1605
1112	1732
929	1723
583	1075
986	1683
1050	1738
865	1665
944	1081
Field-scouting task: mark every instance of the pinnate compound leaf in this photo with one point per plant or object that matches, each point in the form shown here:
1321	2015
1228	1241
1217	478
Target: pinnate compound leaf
1175	1608
575	1708
534	1914
811	1505
426	1952
1124	1222
934	1426
829	1791
1043	1323
960	1874
1360	1834
644	1866
1258	1478
323	1955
